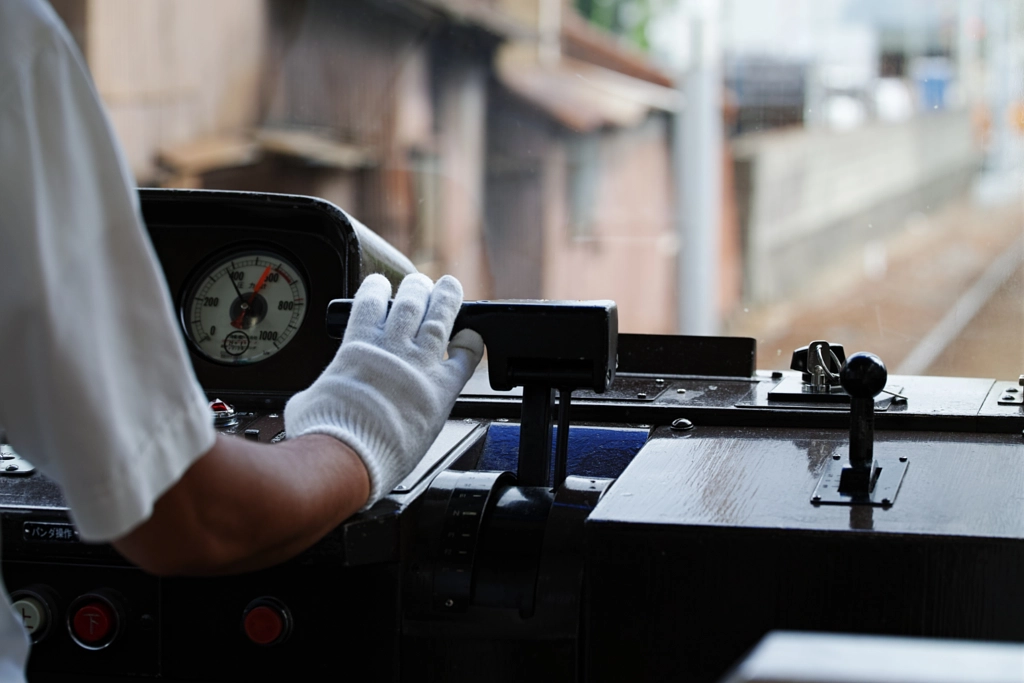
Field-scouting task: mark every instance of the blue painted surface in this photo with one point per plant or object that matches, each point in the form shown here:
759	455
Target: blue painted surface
593	451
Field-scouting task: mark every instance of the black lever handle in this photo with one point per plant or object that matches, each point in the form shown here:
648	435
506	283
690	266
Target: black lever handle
541	346
563	344
863	377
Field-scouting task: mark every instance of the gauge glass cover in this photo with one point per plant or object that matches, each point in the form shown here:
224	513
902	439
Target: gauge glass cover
245	308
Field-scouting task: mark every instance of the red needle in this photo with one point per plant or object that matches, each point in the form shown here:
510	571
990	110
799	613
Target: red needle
259	285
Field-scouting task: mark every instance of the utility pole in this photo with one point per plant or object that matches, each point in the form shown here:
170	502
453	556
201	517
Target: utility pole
698	170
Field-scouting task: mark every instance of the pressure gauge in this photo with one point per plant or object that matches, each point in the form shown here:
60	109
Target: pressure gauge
244	308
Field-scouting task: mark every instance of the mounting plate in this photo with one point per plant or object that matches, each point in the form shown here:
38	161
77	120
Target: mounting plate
883	495
793	390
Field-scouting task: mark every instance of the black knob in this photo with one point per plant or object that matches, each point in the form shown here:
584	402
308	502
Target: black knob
864	375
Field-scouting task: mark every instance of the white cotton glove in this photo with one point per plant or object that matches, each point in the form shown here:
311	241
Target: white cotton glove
389	389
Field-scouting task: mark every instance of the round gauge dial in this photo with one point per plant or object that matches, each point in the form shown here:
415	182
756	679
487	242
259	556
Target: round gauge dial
245	308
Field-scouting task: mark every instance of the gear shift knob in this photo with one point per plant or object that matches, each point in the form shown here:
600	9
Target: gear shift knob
863	376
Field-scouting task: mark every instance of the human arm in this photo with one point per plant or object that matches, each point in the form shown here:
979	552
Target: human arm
98	391
360	428
245	505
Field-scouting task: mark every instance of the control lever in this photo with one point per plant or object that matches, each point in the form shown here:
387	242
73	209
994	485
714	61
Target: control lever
863	479
540	346
863	376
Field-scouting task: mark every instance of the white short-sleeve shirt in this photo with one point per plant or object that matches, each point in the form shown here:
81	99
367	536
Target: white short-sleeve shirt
96	388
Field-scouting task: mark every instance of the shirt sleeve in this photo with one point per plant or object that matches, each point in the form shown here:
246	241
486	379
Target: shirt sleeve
96	388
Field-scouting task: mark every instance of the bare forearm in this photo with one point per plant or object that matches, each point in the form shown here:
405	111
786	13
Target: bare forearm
244	506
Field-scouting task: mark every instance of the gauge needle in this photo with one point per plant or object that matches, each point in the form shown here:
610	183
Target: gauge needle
259	285
231	276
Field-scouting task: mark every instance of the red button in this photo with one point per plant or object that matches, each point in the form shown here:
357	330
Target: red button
93	622
219	406
264	625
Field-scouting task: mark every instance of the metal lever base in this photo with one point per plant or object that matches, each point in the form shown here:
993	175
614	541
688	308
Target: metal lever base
859	481
887	484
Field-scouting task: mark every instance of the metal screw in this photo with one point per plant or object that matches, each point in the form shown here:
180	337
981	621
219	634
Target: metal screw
449	602
401	487
680	391
1006	398
835	457
816	499
886	502
659	381
641	395
903	458
274	415
12	468
682	425
1012	390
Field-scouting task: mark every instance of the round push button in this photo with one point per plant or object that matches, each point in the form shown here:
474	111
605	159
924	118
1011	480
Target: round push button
266	622
93	622
34	615
34	605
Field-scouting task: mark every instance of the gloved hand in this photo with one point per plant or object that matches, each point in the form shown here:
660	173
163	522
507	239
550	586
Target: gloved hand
389	389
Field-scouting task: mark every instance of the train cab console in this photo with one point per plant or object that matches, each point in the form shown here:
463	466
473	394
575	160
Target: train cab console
599	506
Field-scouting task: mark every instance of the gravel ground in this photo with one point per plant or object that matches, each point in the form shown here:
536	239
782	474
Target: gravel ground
889	296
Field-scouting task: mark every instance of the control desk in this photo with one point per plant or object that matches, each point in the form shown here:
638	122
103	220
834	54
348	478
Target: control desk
599	506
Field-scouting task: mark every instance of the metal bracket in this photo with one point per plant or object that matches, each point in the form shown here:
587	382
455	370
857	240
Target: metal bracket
883	494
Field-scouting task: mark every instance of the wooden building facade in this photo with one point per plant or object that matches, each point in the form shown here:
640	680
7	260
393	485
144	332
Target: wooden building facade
502	141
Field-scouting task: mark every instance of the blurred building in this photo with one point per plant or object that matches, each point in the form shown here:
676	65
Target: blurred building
851	115
503	141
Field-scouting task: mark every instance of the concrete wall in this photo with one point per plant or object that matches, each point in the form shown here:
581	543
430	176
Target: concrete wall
805	195
170	72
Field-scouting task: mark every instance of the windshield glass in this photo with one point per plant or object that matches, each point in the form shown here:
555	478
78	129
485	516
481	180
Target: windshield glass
788	170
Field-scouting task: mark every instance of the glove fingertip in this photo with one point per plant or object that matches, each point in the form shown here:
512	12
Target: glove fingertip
370	306
450	282
464	354
468	340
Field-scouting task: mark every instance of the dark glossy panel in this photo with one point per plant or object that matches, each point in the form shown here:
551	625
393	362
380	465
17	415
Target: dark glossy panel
970	486
709	540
